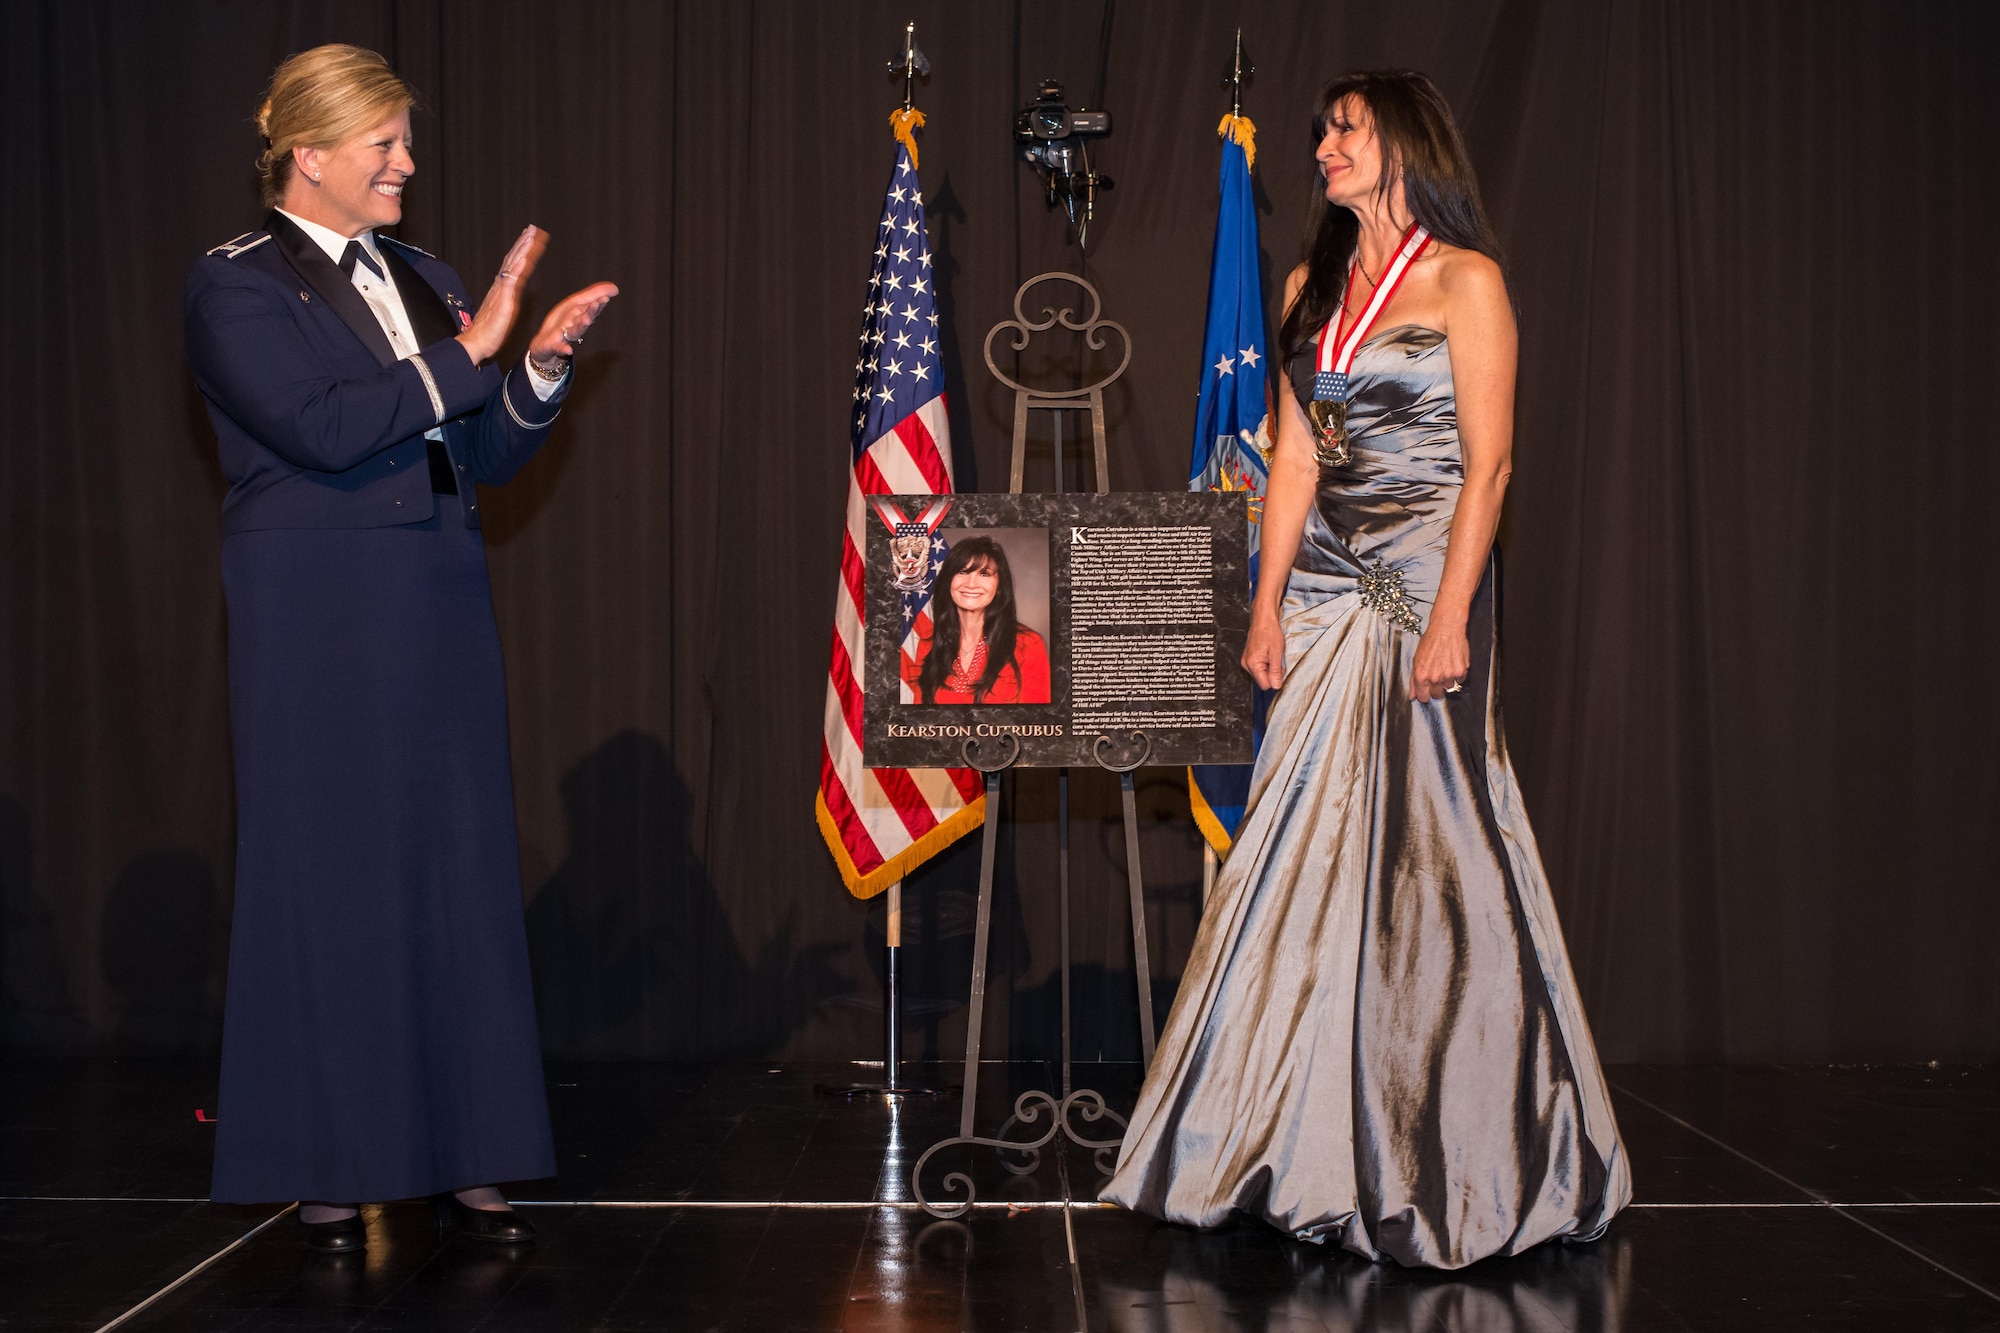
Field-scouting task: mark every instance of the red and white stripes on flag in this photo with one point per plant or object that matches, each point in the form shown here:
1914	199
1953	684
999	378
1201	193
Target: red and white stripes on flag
880	823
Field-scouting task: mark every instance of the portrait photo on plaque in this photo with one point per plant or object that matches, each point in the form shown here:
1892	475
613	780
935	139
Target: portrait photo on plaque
1034	626
983	634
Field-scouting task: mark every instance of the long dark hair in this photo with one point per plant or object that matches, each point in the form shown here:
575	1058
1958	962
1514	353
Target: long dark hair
1000	626
1419	141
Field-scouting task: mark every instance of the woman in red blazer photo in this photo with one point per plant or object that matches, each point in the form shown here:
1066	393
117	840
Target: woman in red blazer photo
977	651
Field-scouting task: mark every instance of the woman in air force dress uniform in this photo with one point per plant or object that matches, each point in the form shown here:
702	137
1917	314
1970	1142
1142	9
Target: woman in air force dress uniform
1378	1038
379	1039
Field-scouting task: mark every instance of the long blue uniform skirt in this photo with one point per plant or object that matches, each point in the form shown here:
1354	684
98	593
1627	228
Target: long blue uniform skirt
379	1038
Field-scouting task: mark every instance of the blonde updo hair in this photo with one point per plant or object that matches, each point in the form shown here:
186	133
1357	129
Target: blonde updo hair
319	99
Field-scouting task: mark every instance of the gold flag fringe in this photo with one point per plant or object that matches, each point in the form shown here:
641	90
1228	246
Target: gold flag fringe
953	827
1207	820
905	124
1239	129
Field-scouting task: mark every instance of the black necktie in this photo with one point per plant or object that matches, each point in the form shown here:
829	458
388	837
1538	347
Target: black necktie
356	251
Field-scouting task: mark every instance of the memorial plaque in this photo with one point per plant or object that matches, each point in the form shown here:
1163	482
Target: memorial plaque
1054	620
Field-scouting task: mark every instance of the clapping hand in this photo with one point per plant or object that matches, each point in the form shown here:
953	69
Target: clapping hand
560	333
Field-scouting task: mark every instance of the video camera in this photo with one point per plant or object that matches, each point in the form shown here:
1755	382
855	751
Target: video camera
1054	140
1049	119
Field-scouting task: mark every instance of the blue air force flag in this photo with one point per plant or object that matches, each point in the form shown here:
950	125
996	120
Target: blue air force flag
1232	432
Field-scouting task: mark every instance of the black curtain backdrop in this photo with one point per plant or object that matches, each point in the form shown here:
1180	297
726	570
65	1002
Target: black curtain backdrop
1749	578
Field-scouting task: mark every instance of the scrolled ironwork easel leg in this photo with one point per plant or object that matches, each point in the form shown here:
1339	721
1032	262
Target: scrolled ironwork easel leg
1089	1103
1029	1108
1122	754
1062	894
1141	958
957	1181
982	929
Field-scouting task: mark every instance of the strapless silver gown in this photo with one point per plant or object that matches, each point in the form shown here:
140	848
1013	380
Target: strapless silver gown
1378	1037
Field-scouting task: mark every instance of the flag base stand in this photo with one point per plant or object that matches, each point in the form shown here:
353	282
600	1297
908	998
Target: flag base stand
894	1083
1022	1156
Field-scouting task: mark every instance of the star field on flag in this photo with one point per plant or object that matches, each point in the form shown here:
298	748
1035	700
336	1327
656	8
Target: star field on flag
897	368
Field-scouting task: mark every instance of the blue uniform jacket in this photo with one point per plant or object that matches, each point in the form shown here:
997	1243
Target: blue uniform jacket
318	424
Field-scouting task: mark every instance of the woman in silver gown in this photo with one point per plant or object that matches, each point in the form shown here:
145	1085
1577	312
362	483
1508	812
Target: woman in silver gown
1378	1037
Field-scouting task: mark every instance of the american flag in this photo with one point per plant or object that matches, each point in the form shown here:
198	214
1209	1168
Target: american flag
880	823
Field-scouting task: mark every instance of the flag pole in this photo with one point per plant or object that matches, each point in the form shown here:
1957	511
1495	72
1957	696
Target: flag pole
1236	78
905	123
1210	862
892	994
892	972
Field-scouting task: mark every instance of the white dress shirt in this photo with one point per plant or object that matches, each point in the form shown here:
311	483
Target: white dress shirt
387	303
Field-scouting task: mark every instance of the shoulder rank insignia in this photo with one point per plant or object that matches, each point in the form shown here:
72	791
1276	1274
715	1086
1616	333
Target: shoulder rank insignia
249	240
413	249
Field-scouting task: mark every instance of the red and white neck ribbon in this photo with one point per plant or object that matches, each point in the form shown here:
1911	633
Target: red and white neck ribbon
901	524
1336	353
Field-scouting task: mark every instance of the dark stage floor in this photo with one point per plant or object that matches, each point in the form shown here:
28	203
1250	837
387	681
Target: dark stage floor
733	1197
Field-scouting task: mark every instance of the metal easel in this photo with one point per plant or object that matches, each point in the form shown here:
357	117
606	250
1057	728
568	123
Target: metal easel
1119	754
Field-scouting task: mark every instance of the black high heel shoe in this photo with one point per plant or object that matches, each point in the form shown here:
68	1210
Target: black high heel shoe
492	1225
347	1236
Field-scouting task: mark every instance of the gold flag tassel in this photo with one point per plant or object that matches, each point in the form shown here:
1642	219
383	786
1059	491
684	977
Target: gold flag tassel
906	121
1233	127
